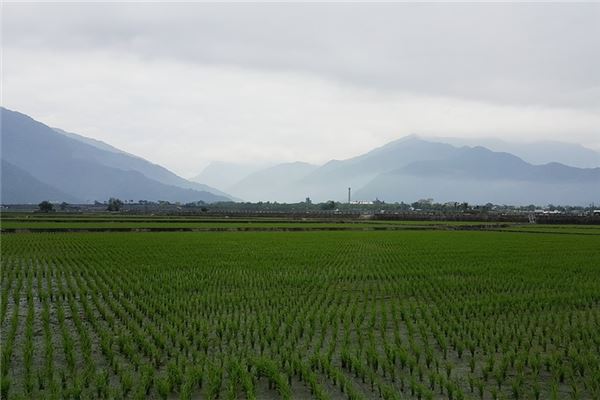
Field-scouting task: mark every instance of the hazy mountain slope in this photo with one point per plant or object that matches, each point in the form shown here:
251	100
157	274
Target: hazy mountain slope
332	180
479	175
277	183
409	188
18	187
385	158
92	142
223	175
412	168
293	182
79	169
481	163
105	154
541	152
44	163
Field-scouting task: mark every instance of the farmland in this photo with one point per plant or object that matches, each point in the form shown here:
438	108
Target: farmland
418	314
111	223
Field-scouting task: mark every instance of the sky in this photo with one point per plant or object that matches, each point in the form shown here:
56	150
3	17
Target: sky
189	83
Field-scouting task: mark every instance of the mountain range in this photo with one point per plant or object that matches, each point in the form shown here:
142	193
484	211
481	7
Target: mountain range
225	174
44	163
414	168
539	152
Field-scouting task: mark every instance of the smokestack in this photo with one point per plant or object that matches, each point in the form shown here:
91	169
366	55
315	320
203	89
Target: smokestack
349	195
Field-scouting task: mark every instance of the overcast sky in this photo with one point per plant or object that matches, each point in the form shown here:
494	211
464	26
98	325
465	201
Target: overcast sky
185	84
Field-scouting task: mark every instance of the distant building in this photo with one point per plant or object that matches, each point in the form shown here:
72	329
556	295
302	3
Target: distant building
361	202
548	212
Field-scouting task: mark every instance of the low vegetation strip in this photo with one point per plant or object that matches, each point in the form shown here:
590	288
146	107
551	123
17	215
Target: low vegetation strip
325	315
217	229
553	231
48	228
125	224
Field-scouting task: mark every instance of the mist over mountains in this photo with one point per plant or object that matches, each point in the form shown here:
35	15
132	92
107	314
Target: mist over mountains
413	168
540	152
225	174
44	163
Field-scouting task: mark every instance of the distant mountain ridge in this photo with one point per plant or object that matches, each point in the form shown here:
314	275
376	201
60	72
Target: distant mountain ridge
222	174
479	175
19	186
537	153
120	159
92	142
43	163
481	163
412	168
84	169
272	181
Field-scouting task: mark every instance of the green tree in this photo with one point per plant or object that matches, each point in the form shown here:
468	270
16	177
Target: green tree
329	205
114	204
46	206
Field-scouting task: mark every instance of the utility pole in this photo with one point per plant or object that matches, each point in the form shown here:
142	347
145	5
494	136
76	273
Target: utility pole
349	195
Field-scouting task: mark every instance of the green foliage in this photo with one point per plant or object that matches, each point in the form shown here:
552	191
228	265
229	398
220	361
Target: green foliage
328	205
46	206
390	314
114	204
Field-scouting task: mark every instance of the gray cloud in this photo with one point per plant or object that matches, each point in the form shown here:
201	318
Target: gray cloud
308	81
512	53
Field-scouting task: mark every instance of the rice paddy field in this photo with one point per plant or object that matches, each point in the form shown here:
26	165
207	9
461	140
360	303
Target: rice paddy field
311	314
115	223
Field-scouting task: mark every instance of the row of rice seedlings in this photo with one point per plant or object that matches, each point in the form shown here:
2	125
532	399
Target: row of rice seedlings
415	343
8	341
